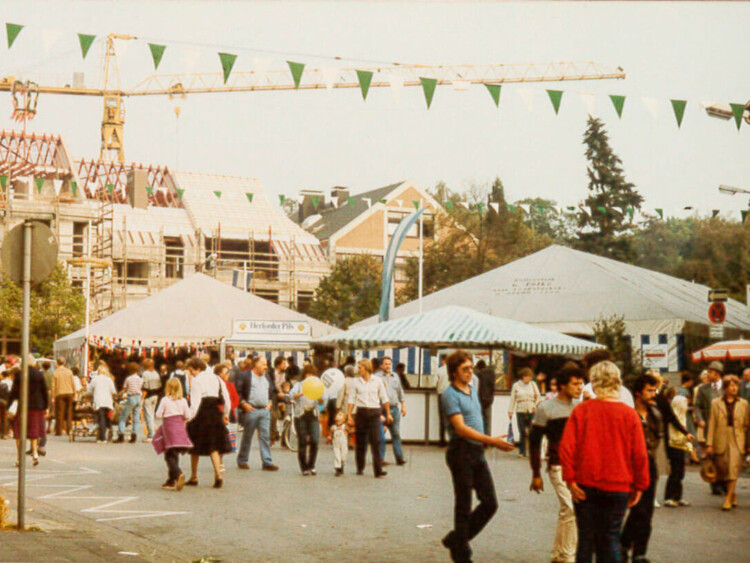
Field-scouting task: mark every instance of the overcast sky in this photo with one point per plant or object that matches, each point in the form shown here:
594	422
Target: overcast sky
318	139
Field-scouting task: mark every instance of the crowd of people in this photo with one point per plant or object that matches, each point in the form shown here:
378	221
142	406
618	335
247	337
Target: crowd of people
605	445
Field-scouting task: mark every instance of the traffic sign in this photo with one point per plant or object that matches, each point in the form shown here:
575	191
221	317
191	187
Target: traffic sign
717	313
43	252
718	295
716	332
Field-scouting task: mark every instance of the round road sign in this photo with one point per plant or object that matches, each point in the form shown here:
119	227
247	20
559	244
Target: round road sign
43	252
717	313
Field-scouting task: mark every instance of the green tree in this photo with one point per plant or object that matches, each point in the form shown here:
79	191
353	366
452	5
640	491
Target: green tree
472	238
604	223
611	333
350	293
57	309
545	219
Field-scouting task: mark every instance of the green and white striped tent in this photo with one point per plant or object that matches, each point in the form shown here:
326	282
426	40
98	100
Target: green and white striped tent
458	327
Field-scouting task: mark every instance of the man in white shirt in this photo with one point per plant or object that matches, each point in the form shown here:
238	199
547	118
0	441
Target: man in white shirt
102	389
333	379
396	407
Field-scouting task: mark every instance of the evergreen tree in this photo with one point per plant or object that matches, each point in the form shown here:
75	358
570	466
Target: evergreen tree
605	224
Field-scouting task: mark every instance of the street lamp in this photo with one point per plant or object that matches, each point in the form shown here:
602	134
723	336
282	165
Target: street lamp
731	190
724	111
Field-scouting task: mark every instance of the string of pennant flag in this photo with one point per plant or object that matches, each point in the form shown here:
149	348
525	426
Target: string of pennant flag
227	62
167	348
480	207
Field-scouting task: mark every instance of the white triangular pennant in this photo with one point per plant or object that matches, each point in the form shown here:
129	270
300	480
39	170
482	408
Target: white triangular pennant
329	77
300	199
525	206
400	202
495	206
49	39
260	67
652	105
58	186
368	201
397	85
464	204
527	97
589	102
461	85
190	56
335	201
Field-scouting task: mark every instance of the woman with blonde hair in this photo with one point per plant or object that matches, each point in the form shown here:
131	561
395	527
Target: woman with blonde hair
727	432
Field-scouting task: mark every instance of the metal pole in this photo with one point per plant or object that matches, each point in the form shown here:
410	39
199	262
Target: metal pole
24	395
85	366
421	260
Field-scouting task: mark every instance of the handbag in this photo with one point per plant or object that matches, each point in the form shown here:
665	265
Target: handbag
708	470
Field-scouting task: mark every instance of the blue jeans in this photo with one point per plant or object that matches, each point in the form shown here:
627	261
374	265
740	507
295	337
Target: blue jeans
308	435
395	430
524	424
132	405
259	419
599	519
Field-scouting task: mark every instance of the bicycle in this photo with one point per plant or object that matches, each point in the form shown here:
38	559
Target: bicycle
289	437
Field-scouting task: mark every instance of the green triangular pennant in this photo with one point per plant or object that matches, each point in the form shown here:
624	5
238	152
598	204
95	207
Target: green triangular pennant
571	208
217	193
383	200
738	110
180	191
85	41
364	77
74	188
630	211
480	207
282	199
315	201
428	85
296	69
3	181
619	103
150	190
714	212
494	90
110	188
541	208
555	96
39	184
249	197
415	203
227	62
602	209
157	52
12	30
660	213
511	208
744	214
449	205
679	110
350	200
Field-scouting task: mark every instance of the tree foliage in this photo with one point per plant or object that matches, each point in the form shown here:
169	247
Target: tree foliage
611	333
604	222
57	309
350	293
472	239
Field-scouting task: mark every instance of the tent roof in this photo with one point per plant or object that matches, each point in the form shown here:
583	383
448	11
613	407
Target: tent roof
453	327
570	290
194	309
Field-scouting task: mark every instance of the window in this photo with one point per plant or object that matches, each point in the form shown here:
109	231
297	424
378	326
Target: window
304	300
79	238
174	257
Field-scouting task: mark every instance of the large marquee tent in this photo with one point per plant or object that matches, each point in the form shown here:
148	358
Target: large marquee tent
568	291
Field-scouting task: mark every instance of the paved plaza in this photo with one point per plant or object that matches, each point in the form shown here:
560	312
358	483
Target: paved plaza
104	503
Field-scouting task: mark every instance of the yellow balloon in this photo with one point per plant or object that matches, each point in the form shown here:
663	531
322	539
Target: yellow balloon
313	388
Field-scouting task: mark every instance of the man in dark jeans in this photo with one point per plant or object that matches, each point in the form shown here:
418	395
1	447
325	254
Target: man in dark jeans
465	457
637	529
599	429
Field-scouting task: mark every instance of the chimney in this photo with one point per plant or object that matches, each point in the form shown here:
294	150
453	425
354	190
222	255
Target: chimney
340	194
313	202
136	188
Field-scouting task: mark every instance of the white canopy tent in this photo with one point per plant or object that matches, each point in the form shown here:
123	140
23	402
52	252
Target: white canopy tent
199	309
568	291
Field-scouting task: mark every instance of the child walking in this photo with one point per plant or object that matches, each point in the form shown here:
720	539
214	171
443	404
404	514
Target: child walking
340	437
172	437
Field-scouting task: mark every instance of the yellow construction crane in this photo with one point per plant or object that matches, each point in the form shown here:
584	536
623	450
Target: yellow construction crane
113	120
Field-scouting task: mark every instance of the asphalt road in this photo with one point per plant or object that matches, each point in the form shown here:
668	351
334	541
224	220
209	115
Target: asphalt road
262	516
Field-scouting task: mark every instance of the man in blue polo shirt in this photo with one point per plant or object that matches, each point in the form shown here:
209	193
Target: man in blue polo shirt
465	457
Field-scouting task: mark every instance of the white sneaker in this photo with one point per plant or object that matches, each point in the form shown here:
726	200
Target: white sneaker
671	503
656	504
147	440
683	503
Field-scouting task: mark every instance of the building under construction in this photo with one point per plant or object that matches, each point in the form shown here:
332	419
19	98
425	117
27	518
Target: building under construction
153	226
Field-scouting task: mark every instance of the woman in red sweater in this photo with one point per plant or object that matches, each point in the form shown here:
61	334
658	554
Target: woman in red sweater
605	464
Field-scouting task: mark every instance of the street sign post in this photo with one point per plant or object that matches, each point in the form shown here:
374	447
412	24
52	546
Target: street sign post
717	313
29	254
718	295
